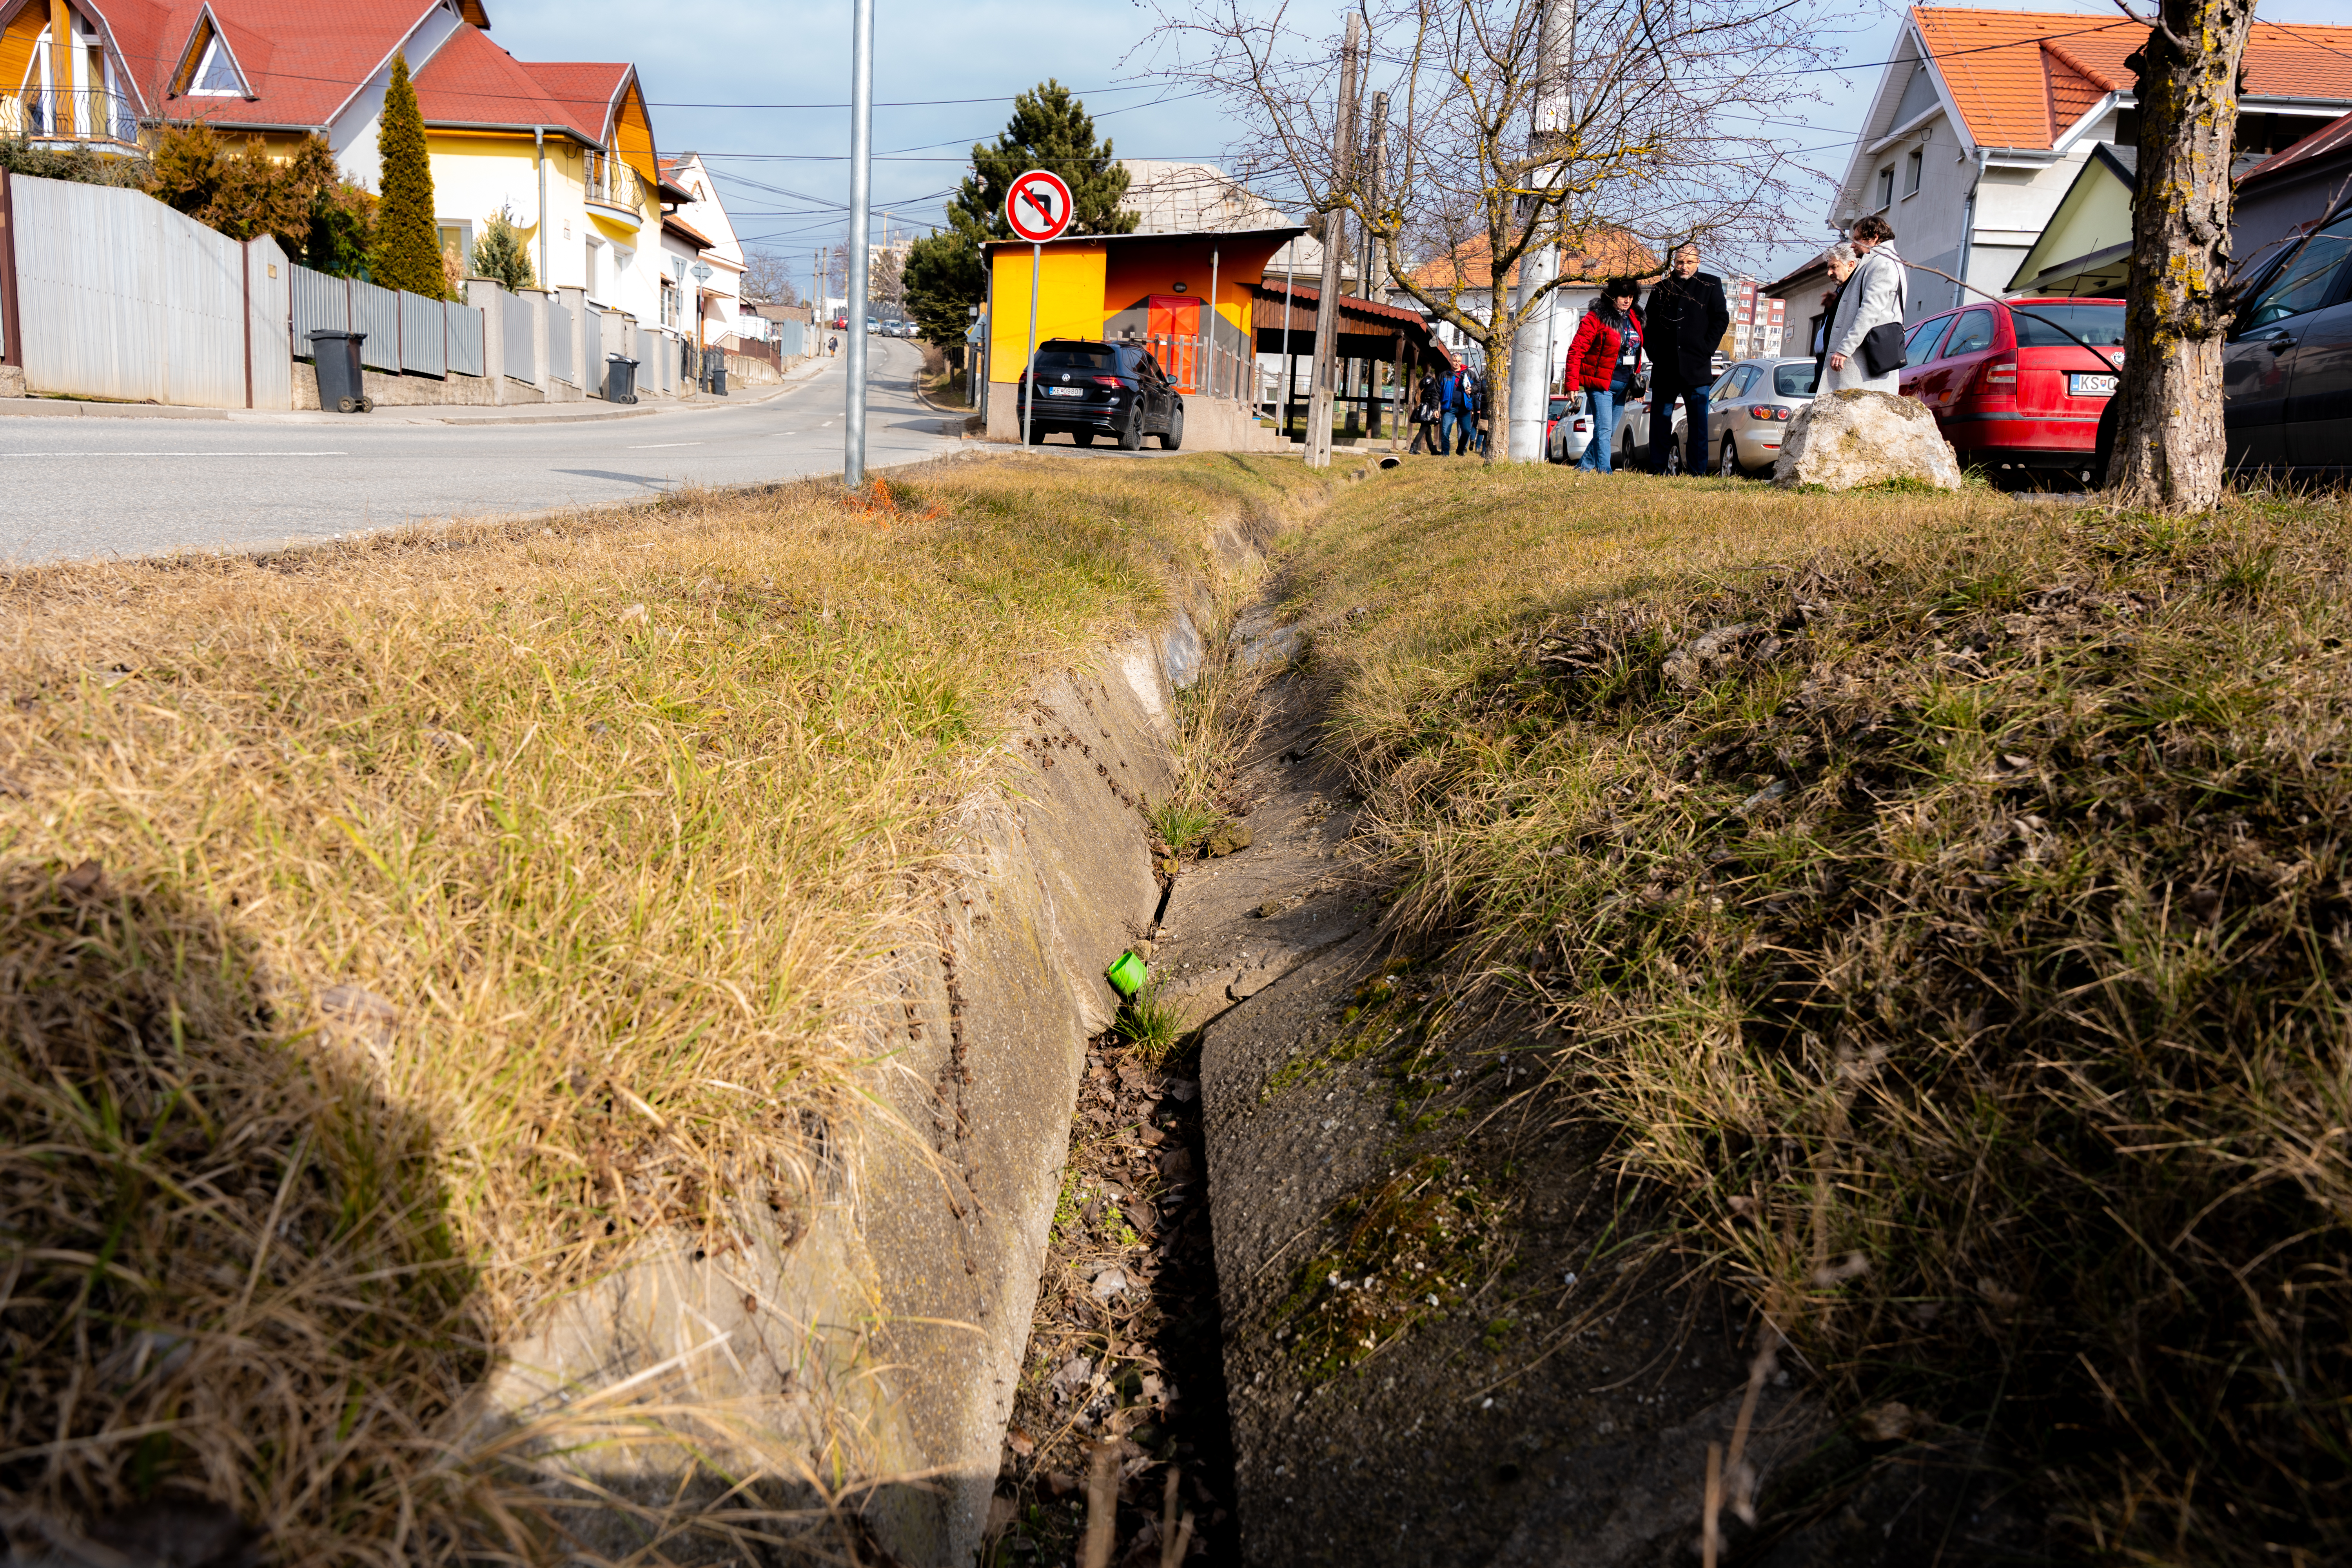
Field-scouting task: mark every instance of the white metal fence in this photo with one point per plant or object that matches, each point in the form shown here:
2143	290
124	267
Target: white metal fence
120	296
562	347
518	323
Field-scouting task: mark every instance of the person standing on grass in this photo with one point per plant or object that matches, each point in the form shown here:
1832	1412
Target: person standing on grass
1866	331
1454	434
1685	323
1478	412
1603	359
1839	259
1425	416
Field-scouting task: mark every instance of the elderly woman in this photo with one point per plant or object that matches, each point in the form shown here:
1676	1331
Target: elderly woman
1871	298
1839	258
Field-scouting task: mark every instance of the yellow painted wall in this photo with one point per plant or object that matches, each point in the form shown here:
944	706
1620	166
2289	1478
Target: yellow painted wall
2097	215
1069	302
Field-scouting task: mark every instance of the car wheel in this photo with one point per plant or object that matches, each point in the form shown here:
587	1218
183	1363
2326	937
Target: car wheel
1174	436
1083	437
1131	435
1731	468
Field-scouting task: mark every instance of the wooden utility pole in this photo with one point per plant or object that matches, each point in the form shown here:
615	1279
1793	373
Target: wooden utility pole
1335	239
2169	445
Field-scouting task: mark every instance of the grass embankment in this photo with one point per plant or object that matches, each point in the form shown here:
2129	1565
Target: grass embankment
395	931
1949	901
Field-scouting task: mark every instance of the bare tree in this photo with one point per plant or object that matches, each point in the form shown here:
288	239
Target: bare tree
1648	120
886	282
2169	447
768	278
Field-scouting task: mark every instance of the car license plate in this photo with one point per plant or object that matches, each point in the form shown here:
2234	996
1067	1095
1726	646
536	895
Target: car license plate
2085	384
1081	392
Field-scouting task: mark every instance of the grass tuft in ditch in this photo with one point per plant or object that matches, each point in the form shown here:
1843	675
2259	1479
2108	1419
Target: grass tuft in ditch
1948	900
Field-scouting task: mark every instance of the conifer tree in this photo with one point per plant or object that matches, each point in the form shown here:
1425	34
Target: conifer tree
502	254
408	253
1050	129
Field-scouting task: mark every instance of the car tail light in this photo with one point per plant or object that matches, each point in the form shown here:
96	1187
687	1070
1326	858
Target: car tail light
2002	372
1770	411
1109	380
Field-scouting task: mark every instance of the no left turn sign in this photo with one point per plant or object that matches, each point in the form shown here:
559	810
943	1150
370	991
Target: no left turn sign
1038	207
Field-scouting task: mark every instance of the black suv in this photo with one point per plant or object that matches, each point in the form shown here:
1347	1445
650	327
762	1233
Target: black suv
1093	389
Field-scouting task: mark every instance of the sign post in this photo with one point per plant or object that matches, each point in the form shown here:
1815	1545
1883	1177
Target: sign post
1039	207
861	173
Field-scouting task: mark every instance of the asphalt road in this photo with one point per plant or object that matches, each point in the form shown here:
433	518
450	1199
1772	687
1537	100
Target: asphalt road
83	488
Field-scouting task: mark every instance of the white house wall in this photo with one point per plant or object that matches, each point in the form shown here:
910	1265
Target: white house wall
352	135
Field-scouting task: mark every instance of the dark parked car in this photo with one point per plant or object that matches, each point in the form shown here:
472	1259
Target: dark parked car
2009	388
1091	389
2286	367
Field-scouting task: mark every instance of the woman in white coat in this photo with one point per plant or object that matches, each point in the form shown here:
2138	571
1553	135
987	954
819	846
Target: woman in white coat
1872	298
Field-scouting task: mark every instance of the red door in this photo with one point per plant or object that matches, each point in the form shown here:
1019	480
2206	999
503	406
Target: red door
1175	331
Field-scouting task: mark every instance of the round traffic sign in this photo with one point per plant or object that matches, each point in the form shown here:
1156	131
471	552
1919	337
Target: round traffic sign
1038	205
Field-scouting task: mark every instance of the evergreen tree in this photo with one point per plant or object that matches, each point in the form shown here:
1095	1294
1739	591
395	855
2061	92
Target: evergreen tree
501	254
407	246
1050	129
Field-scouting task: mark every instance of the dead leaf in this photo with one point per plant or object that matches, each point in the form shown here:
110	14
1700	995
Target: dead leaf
1889	1422
83	879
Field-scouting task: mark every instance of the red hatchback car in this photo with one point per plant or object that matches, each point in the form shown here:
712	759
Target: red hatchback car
2009	388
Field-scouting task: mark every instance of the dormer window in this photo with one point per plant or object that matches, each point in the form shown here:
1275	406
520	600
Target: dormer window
216	74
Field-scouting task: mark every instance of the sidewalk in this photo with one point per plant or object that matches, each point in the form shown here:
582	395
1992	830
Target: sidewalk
587	412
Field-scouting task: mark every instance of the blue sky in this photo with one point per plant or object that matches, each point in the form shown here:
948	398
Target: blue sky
761	88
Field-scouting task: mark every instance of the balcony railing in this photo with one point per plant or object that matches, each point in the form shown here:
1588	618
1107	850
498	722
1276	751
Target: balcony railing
92	114
614	184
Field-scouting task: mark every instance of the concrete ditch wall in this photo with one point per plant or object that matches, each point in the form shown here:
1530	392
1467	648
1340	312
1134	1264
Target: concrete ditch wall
893	1318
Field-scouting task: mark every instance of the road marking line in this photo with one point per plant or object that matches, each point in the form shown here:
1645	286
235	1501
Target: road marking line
175	454
658	445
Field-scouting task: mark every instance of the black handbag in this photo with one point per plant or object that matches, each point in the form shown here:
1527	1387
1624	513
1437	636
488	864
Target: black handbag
1882	346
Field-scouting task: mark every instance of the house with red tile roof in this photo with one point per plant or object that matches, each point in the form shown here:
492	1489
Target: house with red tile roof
1983	120
697	231
566	149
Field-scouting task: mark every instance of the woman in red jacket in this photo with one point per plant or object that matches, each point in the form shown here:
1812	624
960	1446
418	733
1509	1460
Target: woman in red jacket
1603	359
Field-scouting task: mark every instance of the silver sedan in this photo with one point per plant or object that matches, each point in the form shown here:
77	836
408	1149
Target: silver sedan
1749	410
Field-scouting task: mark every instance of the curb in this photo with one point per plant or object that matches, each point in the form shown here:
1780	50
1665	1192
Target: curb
409	414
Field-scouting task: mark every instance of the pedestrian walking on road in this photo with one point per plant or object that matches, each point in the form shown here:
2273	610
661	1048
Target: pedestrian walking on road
1426	412
1455	434
1603	360
1685	323
1839	259
1866	332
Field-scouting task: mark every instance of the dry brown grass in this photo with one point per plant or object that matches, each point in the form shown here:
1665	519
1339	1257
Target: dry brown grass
456	907
1958	939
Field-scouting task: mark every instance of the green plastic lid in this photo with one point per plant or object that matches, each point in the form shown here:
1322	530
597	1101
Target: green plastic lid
1127	974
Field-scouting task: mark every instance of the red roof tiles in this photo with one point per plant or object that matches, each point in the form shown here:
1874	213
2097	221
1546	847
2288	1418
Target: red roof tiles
2020	79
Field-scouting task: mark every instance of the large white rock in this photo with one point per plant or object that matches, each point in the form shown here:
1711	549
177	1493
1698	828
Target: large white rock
1843	439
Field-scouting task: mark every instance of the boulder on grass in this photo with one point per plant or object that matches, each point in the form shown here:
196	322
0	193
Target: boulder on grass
1844	439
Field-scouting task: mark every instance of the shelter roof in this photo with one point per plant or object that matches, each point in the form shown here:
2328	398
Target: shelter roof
2336	136
1273	237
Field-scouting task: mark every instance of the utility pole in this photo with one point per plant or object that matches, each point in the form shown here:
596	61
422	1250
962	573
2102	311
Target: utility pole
1335	237
1530	389
1375	170
861	176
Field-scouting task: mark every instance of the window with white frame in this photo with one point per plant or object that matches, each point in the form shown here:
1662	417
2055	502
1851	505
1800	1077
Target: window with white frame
216	73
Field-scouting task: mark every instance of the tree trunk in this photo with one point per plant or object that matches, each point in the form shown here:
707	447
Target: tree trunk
2169	447
1499	372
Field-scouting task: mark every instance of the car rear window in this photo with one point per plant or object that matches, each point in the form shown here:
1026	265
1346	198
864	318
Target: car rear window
2101	326
1064	356
1792	381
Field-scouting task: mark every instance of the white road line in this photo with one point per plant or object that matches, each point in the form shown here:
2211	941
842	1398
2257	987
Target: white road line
175	454
658	445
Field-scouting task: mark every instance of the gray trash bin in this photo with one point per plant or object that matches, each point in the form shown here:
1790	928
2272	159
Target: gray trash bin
714	371
342	384
620	379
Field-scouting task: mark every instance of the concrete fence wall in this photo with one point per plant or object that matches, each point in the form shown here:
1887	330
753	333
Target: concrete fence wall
115	295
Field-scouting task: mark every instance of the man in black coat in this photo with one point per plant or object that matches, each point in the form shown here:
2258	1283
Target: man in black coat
1687	318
